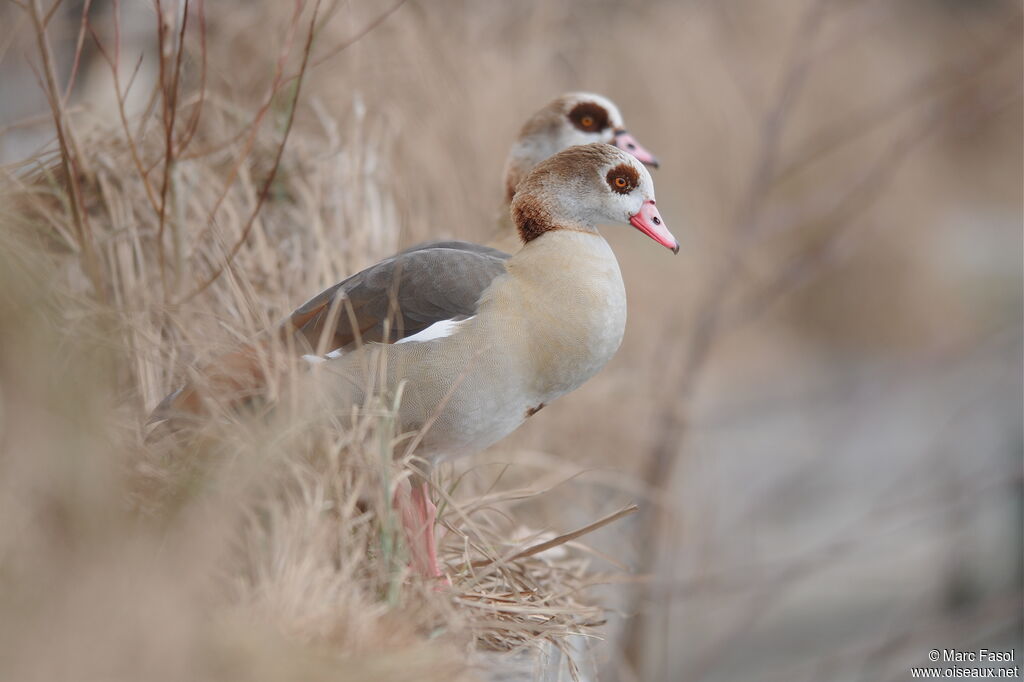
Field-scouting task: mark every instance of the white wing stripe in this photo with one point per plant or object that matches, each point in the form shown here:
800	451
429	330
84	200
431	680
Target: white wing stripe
438	330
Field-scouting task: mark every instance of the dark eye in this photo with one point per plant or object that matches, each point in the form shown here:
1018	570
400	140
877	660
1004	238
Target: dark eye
620	182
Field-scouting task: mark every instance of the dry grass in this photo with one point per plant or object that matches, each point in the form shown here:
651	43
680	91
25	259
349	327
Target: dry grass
844	177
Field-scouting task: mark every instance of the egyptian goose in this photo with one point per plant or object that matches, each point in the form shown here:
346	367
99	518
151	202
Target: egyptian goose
481	340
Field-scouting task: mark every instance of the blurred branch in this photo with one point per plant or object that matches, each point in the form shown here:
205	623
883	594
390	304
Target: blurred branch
268	181
288	79
670	424
113	63
909	642
79	44
250	132
714	317
862	195
71	158
806	264
169	89
50	12
193	123
935	83
345	44
770	591
278	83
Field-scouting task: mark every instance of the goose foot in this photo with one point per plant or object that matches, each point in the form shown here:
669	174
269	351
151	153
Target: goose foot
418	516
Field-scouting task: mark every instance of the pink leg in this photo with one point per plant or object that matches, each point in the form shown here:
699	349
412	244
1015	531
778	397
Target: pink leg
418	515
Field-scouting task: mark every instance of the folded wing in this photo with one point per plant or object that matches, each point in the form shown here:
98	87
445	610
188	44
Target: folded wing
400	296
385	303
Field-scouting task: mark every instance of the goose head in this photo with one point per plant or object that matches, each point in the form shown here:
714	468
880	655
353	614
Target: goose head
576	118
587	185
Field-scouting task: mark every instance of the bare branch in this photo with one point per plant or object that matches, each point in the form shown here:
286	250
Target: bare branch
71	159
265	190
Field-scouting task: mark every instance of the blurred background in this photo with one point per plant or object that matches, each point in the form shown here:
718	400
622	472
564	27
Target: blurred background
818	402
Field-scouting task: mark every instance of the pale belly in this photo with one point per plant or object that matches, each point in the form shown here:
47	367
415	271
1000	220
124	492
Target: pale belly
491	394
465	427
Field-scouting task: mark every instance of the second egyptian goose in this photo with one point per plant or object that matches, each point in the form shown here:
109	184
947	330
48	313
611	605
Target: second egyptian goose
574	118
482	341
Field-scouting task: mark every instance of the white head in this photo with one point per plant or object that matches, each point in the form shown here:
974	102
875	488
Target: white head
575	118
586	185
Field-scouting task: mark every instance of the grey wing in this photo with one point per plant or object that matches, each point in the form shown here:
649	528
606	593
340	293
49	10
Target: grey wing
400	296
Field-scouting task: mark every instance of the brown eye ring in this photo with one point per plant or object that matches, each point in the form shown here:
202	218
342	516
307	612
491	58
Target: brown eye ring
588	117
623	179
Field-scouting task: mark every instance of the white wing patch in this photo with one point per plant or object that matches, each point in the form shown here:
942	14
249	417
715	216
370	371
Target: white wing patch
438	330
317	359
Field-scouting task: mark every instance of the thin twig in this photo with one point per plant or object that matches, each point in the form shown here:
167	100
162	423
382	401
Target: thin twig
265	190
79	43
671	422
562	539
253	128
113	61
70	158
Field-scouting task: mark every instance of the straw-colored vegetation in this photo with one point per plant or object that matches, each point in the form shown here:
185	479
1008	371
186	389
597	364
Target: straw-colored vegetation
790	396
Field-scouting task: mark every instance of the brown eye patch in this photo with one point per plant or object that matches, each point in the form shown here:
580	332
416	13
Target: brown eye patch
589	117
623	178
